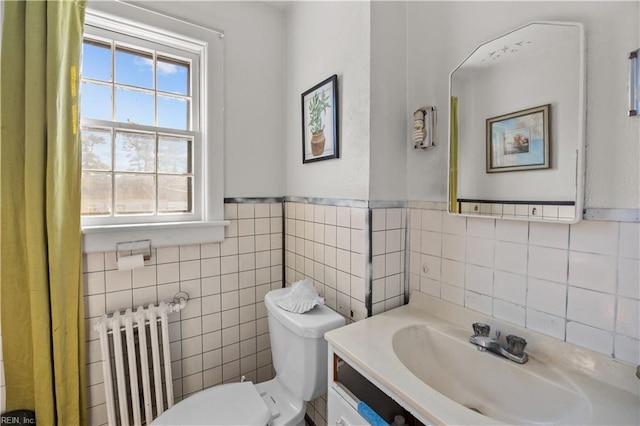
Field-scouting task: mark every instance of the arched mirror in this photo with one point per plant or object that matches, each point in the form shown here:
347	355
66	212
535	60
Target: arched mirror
516	142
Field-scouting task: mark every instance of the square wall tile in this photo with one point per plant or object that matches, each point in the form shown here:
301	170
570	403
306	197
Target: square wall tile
191	252
93	262
246	211
512	231
453	224
547	296
511	257
94	283
430	243
481	227
629	244
437	289
590	338
629	277
546	324
118	280
359	218
548	264
379	219
262	209
594	237
230	211
452	294
628	317
510	312
480	251
453	272
479	279
433	220
343	216
144	277
627	349
394	218
592	271
554	235
510	287
453	247
167	254
591	308
478	302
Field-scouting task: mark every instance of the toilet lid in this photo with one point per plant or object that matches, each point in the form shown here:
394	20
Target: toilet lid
229	404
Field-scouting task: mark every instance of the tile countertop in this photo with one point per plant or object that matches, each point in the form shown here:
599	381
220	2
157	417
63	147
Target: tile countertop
610	386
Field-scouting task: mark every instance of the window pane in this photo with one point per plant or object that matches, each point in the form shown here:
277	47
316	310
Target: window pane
173	112
96	61
95	101
174	155
173	76
134	68
174	194
96	149
133	106
135	194
96	194
135	152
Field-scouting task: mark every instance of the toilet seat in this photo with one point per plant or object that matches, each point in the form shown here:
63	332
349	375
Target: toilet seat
228	404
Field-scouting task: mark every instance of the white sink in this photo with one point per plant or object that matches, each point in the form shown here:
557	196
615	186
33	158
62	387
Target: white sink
532	393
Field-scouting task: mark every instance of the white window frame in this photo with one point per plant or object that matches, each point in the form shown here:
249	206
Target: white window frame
207	223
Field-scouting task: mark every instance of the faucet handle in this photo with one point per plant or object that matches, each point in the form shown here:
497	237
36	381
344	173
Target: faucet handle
516	344
481	329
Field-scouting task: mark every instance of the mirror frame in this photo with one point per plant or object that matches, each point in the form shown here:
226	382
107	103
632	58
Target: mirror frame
580	140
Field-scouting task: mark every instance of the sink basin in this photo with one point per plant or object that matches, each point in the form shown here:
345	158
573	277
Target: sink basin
533	393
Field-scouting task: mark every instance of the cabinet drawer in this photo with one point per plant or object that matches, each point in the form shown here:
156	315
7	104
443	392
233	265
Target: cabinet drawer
341	412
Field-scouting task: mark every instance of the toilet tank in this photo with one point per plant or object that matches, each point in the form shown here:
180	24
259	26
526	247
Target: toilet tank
298	348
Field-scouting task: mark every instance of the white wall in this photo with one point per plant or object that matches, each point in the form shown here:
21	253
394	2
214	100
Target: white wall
322	39
389	121
253	91
441	34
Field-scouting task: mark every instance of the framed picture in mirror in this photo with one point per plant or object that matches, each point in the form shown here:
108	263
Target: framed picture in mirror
519	140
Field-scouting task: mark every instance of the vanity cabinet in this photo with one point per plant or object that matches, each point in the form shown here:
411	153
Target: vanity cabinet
349	385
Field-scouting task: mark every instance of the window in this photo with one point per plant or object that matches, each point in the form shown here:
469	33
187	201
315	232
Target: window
140	130
150	154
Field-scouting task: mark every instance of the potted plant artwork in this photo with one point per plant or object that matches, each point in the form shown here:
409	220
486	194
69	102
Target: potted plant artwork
317	108
320	121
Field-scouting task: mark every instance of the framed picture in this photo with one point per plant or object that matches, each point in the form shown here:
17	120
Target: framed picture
519	141
320	121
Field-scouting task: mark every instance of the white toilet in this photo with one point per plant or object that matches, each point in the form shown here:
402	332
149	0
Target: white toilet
299	354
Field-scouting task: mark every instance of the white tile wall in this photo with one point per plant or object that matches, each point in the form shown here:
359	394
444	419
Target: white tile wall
222	334
579	283
329	245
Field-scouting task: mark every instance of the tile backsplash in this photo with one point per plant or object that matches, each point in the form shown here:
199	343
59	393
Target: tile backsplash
578	283
342	249
222	334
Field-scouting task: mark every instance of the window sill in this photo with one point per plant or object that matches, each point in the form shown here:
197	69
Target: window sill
105	238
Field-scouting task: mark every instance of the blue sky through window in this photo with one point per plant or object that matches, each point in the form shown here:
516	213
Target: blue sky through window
135	69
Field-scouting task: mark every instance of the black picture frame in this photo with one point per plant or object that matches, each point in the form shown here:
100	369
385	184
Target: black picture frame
320	130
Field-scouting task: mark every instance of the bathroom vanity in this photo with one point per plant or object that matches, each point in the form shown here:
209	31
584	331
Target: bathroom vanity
416	361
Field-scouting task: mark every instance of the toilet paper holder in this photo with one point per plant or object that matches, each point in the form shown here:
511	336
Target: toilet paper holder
131	248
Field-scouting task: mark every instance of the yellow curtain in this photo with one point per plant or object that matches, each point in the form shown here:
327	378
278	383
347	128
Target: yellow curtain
453	158
42	315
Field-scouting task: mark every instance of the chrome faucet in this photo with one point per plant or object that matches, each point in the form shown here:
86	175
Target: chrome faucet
515	345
